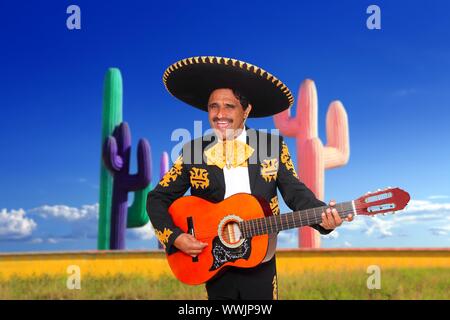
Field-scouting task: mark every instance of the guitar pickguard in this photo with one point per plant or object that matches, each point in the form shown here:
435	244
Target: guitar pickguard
222	254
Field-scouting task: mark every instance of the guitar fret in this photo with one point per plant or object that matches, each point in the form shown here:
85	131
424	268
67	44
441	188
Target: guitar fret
280	223
295	219
272	222
287	220
265	220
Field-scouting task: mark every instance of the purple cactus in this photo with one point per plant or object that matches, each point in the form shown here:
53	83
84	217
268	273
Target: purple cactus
116	157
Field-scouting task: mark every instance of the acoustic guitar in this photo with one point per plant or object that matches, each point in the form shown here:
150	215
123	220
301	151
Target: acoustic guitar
241	230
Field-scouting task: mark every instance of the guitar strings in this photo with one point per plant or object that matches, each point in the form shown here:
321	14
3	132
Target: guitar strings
206	233
212	232
296	219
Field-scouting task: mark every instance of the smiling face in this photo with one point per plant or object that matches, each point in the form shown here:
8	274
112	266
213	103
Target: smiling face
226	114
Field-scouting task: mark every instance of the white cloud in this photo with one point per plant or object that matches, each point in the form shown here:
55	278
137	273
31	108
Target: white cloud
332	235
14	224
371	226
438	196
37	241
381	227
426	206
417	212
347	244
66	212
288	238
440	231
143	233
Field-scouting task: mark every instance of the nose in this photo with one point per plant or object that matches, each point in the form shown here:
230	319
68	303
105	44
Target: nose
221	112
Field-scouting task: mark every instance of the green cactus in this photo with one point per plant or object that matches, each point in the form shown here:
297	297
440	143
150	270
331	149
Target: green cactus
137	214
112	118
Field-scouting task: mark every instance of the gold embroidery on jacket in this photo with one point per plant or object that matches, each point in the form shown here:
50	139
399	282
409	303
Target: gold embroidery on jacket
275	287
286	159
163	237
274	206
173	173
231	154
269	169
199	178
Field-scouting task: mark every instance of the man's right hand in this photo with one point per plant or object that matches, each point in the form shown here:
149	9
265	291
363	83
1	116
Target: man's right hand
189	245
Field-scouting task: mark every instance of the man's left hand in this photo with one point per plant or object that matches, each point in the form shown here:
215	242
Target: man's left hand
331	218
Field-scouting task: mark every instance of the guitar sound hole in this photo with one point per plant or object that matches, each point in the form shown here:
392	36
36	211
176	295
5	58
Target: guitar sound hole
231	233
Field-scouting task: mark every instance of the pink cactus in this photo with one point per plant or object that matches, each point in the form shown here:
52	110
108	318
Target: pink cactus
313	158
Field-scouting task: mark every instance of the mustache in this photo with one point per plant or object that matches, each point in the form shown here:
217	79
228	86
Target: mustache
216	119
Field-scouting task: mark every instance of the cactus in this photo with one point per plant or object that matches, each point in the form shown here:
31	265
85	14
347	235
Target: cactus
115	181
111	117
116	157
312	157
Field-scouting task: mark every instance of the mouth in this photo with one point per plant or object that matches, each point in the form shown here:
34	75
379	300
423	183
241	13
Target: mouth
221	124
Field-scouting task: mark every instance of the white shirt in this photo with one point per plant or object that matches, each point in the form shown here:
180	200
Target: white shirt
237	179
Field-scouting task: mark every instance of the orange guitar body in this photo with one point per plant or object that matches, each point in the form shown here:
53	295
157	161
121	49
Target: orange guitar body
217	225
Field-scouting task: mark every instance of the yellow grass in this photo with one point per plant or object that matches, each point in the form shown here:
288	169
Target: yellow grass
418	283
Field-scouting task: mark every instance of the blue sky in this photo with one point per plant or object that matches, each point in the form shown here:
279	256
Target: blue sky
393	82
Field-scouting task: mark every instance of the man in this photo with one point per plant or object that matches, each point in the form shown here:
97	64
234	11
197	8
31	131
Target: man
234	159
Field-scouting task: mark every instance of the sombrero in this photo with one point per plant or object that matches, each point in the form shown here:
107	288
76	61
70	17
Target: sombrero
193	79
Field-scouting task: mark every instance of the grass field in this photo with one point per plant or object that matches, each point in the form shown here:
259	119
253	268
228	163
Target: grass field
414	283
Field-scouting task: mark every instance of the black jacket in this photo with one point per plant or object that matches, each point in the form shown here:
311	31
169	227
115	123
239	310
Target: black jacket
268	170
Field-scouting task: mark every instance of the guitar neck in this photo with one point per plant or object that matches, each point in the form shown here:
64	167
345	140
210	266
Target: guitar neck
296	219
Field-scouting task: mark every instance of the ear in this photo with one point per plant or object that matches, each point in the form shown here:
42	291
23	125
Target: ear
247	111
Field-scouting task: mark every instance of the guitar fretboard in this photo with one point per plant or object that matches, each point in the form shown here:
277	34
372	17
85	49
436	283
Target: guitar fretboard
296	219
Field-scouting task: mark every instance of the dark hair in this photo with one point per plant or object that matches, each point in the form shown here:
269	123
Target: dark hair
242	99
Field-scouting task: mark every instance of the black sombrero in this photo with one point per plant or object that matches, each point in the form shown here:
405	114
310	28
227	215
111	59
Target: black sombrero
193	79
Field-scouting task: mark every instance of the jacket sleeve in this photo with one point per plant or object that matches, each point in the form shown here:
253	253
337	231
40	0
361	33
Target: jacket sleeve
173	185
296	194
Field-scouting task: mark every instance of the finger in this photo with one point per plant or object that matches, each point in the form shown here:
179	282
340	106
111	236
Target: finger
201	243
349	218
325	221
198	245
336	217
331	223
332	203
195	252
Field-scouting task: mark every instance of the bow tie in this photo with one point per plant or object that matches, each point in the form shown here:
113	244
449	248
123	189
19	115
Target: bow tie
232	153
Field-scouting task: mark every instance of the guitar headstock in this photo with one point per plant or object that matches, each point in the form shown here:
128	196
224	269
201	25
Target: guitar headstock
384	201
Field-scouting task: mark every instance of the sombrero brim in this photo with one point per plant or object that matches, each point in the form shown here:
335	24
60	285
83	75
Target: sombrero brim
193	79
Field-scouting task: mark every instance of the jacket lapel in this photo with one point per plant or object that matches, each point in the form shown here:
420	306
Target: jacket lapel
253	166
216	172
